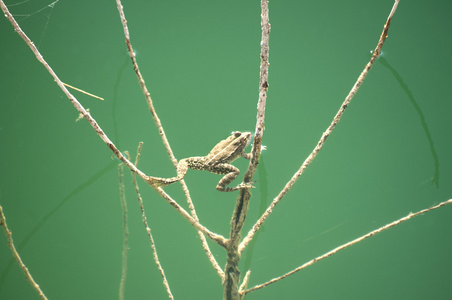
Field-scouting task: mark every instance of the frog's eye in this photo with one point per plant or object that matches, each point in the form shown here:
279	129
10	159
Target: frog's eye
237	133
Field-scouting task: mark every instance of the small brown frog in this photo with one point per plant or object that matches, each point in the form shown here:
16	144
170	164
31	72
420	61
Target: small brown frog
217	162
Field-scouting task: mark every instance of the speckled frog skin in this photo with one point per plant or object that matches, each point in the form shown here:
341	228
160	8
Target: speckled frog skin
217	162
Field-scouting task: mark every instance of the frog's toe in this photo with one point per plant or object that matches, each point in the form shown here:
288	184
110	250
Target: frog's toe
247	185
243	185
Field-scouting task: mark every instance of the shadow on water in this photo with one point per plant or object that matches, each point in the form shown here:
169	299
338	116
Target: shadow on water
263	175
114	102
418	109
263	184
30	235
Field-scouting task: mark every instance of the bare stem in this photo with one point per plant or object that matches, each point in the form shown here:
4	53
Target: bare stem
148	229
263	87
346	245
9	237
125	245
142	83
325	135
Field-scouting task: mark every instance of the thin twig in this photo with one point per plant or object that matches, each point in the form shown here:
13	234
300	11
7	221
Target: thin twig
242	201
204	243
158	123
142	83
326	134
244	284
82	91
9	237
148	229
357	240
125	246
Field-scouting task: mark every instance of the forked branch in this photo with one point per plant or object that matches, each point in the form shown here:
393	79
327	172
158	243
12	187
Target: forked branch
326	134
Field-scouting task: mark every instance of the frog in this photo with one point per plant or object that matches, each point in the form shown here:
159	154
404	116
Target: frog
218	161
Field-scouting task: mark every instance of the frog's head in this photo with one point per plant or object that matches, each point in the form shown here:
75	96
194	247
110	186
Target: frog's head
240	140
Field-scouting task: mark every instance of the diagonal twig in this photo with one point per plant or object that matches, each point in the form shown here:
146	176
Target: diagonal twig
9	237
326	134
346	245
148	229
83	92
143	84
158	123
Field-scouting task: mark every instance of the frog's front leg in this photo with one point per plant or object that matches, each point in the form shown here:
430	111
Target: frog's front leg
246	155
231	173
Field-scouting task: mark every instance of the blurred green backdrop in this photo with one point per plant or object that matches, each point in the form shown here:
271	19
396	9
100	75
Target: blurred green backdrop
390	154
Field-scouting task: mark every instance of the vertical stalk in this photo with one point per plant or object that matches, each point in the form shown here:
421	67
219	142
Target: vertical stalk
231	280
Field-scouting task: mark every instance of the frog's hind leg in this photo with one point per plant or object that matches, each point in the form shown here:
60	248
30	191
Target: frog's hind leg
231	172
182	168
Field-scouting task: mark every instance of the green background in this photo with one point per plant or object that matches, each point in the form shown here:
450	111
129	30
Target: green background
390	154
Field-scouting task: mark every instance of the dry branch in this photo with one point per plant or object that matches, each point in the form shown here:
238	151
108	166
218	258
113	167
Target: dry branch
83	92
346	245
326	134
143	84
